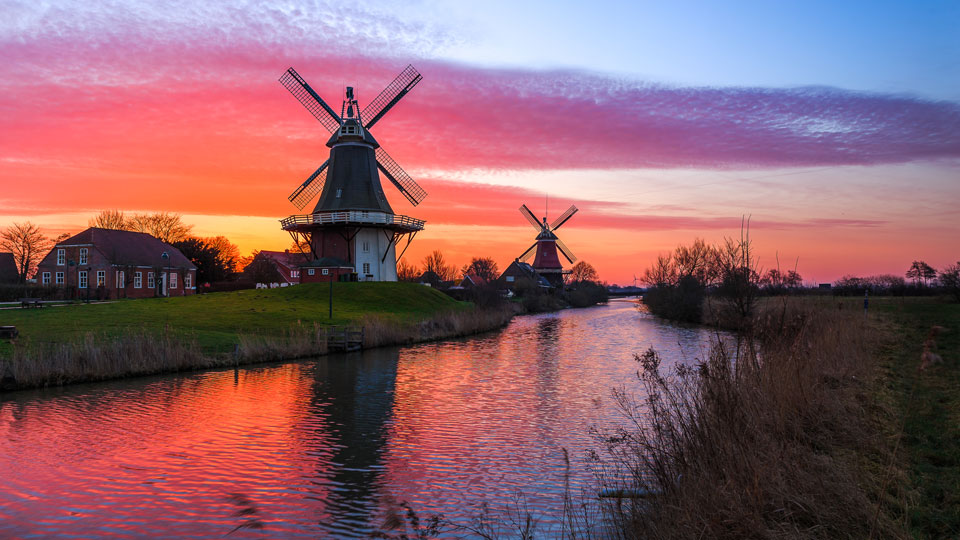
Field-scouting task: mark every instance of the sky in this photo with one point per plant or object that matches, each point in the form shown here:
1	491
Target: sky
833	126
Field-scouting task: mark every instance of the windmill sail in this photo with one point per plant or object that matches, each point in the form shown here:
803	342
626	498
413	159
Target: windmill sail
310	187
390	95
566	251
292	81
530	217
563	218
407	186
528	253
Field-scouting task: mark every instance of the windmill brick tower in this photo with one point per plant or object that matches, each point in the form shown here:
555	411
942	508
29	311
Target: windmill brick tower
546	261
353	224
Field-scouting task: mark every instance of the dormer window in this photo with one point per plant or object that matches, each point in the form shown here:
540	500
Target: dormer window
350	129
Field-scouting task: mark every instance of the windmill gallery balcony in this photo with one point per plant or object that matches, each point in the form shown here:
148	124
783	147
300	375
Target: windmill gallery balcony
404	224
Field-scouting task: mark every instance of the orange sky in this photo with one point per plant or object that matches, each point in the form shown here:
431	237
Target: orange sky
841	181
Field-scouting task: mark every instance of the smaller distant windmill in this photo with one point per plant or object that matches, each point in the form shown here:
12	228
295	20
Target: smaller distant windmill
547	262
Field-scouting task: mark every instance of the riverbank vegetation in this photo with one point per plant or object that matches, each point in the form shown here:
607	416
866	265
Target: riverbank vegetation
73	343
818	420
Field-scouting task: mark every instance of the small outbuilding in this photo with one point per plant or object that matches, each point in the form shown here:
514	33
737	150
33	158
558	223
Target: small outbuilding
8	269
520	270
107	263
327	269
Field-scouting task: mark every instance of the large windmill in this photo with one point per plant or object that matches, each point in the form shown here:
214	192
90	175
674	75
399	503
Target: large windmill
352	224
547	262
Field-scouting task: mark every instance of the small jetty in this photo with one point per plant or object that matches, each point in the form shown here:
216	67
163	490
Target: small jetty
344	338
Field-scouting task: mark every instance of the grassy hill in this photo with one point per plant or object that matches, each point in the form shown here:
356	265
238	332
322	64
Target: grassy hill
215	321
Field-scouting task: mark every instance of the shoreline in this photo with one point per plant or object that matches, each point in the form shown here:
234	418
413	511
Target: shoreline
141	353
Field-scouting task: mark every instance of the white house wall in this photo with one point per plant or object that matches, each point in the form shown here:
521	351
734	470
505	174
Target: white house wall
375	242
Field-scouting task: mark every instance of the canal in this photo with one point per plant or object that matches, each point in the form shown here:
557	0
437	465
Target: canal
322	448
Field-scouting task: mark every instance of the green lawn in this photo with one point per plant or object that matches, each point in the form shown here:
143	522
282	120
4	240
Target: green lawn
929	405
215	320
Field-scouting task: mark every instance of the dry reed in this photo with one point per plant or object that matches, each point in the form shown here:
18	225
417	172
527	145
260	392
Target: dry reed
769	437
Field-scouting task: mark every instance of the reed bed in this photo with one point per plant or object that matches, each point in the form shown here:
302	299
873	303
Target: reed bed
96	357
771	436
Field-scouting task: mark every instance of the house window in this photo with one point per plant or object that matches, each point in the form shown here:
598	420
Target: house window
366	246
59	278
339	191
187	280
326	271
82	279
61	257
83	255
151	283
509	279
294	273
101	278
121	280
46	278
137	280
310	271
366	268
173	280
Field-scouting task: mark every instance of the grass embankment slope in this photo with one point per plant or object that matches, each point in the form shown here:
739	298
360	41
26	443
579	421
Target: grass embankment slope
928	403
215	321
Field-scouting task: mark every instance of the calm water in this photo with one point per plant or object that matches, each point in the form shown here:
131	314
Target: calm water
320	448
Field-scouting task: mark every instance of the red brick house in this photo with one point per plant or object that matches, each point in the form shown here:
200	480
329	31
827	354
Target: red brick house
275	267
106	263
326	269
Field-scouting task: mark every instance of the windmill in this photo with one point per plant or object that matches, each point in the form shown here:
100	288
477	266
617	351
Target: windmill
352	225
546	262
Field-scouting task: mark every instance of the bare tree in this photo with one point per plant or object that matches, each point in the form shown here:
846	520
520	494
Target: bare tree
27	243
109	219
583	271
228	254
163	225
482	267
950	280
436	263
407	271
920	272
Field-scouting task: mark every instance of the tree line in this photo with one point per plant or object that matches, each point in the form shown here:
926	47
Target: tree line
216	258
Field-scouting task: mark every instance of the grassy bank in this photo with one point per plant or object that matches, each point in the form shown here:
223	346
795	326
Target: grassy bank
795	431
928	413
60	345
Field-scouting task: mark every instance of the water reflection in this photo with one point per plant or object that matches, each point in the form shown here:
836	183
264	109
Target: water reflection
320	448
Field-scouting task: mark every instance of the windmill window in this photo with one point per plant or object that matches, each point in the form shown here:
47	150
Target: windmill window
366	246
366	268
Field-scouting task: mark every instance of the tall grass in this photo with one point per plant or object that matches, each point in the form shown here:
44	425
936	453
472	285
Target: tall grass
95	357
769	437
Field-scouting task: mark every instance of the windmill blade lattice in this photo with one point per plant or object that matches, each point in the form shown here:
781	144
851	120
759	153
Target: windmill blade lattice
566	251
530	217
292	81
563	218
310	187
526	254
390	95
407	186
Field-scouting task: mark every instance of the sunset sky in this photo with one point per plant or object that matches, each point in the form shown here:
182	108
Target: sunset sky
835	128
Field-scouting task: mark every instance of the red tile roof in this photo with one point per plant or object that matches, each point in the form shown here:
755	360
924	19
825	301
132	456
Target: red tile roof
130	248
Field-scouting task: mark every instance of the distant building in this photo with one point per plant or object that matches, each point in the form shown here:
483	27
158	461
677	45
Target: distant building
8	269
520	270
472	281
326	269
106	263
275	268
